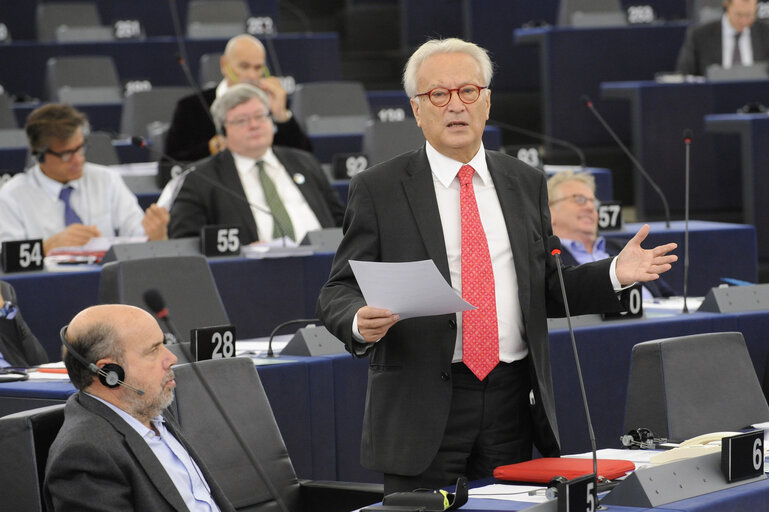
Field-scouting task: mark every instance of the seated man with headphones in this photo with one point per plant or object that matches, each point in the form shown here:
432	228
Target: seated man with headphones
65	200
115	450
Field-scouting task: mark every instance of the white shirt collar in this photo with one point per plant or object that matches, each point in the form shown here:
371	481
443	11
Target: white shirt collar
728	30
222	88
243	163
50	185
135	424
446	169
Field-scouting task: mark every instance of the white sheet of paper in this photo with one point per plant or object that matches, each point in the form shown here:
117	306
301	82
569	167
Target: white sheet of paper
409	289
507	492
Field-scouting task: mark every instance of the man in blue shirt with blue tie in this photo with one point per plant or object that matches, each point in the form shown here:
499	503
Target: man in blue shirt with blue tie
115	450
65	200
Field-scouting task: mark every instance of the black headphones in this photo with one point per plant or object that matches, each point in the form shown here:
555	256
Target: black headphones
111	375
642	438
39	156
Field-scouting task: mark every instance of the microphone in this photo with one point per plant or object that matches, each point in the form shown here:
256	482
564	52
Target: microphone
557	254
154	300
270	353
589	104
687	169
541	136
140	142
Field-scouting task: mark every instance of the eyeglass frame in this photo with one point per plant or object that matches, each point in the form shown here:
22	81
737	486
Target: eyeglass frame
242	121
479	88
66	156
580	199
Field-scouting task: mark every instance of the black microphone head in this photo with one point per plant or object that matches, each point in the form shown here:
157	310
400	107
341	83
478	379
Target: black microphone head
154	300
688	136
585	99
139	142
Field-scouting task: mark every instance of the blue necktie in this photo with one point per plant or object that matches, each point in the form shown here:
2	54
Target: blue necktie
70	215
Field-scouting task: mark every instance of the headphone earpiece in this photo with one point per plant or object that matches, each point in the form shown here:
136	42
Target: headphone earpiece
111	375
642	438
39	156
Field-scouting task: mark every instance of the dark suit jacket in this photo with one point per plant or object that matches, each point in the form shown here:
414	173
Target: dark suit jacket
99	462
702	47
17	343
191	129
658	288
199	203
392	216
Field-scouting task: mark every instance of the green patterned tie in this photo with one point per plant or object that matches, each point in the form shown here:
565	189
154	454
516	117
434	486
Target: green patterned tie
281	225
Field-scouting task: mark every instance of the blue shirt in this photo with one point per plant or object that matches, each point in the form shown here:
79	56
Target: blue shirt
184	472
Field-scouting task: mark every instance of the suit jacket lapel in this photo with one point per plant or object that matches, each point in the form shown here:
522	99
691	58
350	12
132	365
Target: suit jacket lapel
308	189
513	210
420	192
156	473
228	177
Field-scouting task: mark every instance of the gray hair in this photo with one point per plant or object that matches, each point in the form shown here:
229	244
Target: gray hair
559	178
450	45
235	95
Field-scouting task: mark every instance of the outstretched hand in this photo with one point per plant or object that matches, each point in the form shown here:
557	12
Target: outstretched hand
636	264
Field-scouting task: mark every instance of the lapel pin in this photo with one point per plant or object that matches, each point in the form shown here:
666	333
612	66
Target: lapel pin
299	178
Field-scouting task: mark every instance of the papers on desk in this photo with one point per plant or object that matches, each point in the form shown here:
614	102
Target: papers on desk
86	256
506	492
49	371
410	289
659	307
278	248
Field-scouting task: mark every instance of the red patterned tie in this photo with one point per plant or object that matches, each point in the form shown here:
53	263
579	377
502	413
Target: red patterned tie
480	335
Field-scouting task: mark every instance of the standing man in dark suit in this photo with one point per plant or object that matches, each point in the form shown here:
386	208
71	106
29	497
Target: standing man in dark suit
18	346
736	39
192	136
282	191
450	395
574	214
115	451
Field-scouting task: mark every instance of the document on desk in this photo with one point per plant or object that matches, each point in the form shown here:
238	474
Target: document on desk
410	289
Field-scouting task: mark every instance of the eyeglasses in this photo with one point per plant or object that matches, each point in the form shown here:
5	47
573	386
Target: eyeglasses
580	200
66	156
241	121
441	96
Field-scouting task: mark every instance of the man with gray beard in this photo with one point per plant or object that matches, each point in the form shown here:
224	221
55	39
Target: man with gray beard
115	449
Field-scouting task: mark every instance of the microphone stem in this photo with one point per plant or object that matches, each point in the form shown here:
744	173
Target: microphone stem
579	371
547	138
635	162
686	225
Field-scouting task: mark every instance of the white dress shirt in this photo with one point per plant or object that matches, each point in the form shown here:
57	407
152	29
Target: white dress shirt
727	44
302	217
30	206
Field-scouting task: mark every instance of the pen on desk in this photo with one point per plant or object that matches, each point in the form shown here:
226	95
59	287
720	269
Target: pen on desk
51	370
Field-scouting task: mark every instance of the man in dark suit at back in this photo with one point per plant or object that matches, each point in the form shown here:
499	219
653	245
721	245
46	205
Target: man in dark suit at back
115	450
18	346
735	39
193	136
574	214
450	395
280	191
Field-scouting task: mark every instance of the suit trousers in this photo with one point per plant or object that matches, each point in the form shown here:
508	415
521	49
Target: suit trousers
489	425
